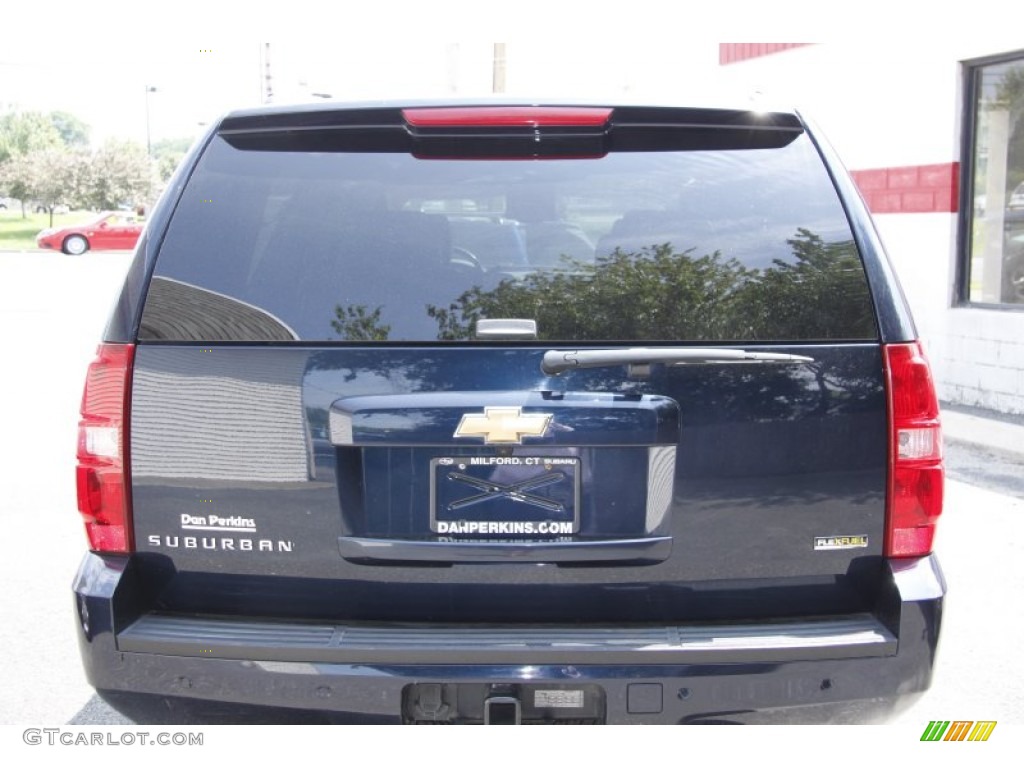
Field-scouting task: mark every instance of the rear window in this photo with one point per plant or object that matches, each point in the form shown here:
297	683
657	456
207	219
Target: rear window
375	247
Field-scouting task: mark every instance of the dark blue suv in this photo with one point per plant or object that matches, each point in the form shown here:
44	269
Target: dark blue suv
506	412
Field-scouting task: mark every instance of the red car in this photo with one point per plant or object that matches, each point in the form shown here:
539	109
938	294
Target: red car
107	231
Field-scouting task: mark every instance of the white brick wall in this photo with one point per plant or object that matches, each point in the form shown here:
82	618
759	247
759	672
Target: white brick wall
982	362
858	94
1011	354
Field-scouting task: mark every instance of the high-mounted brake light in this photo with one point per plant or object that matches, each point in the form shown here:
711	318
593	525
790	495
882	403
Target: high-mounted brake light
914	497
102	472
507	117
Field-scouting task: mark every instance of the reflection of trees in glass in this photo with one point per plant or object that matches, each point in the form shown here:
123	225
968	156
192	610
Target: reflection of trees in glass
654	294
353	323
663	294
821	294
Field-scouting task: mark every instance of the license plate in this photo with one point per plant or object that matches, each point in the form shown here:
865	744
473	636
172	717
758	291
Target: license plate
505	497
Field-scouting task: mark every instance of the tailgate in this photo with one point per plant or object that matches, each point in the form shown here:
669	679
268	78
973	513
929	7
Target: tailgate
341	408
265	484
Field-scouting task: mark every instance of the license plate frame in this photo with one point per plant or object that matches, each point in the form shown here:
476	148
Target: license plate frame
505	497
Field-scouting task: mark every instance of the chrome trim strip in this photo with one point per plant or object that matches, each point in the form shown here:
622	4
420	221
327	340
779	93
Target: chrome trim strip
366	550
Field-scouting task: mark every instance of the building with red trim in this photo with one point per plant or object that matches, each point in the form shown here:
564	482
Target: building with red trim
933	134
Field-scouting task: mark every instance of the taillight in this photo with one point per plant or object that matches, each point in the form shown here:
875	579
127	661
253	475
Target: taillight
914	497
102	472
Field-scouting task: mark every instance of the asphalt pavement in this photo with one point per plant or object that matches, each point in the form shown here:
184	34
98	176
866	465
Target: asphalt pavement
984	448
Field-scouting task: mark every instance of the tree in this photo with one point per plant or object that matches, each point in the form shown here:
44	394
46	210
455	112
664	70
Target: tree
51	174
821	289
660	293
73	132
23	132
657	293
168	154
354	323
120	172
57	176
16	178
50	177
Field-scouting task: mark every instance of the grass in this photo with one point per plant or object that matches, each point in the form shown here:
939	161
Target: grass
19	234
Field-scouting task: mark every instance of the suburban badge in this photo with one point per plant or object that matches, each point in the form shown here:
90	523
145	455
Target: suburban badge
503	425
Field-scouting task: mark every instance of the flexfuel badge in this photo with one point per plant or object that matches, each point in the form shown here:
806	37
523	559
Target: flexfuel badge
840	542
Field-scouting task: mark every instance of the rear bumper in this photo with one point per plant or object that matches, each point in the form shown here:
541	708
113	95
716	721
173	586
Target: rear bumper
807	671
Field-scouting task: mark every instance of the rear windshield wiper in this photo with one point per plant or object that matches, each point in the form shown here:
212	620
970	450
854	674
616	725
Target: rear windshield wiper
639	360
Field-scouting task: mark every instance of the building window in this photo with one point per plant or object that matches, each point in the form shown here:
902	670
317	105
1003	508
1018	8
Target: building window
993	219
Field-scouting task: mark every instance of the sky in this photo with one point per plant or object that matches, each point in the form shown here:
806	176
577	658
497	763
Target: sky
108	85
99	60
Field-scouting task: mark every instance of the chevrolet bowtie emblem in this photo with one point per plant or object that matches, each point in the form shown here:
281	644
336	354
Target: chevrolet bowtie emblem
508	425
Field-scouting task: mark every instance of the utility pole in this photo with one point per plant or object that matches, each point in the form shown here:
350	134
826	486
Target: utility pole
149	150
268	95
498	73
452	57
